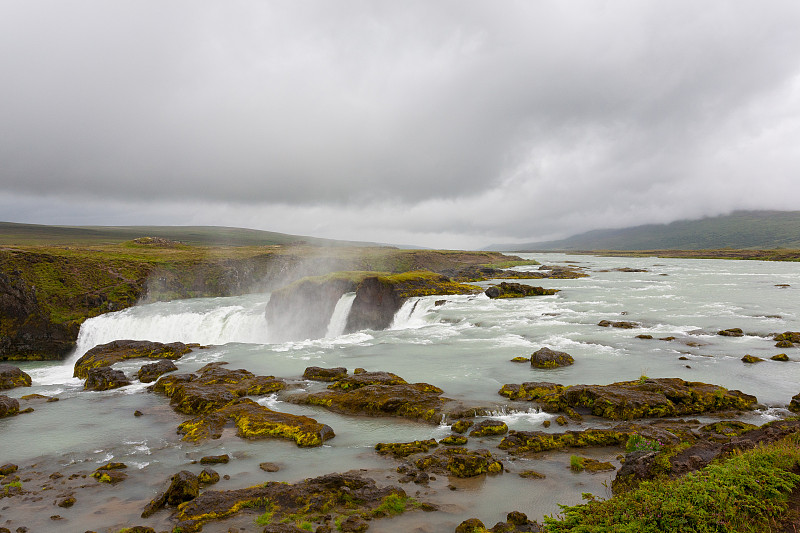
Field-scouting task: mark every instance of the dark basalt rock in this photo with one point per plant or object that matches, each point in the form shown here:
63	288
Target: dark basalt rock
461	426
487	428
116	351
547	358
208	476
751	359
316	373
105	378
215	459
404	449
517	290
731	332
8	468
518	442
335	496
12	377
151	372
788	339
183	487
618	324
110	473
794	405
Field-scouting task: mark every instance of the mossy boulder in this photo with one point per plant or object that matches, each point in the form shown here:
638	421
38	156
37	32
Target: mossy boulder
461	426
111	473
316	373
454	440
120	350
320	501
487	428
254	421
105	378
8	406
731	332
460	462
152	371
517	290
12	377
780	357
212	387
547	358
791	336
181	487
794	405
622	324
404	449
751	359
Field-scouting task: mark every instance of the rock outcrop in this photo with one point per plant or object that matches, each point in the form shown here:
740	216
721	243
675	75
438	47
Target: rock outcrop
645	398
105	378
12	377
517	290
547	358
151	372
120	350
8	406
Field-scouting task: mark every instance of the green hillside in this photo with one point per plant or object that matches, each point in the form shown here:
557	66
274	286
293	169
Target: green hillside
739	230
34	234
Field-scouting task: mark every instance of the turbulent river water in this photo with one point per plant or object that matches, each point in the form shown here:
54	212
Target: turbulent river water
463	347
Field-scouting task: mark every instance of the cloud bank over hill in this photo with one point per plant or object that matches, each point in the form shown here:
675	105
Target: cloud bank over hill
447	124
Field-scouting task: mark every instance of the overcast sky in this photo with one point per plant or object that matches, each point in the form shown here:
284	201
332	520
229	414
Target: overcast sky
450	124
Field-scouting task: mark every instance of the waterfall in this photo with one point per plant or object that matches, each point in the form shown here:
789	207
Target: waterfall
413	313
201	320
340	313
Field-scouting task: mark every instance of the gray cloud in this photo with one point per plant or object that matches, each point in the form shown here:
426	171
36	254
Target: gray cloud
440	123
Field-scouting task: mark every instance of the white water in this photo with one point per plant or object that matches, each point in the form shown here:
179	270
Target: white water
339	317
415	313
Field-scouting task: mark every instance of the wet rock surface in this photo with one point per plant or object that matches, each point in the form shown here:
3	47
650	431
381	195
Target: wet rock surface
151	372
626	400
383	394
216	395
547	358
105	378
321	501
12	377
120	350
517	290
182	487
8	406
622	324
316	373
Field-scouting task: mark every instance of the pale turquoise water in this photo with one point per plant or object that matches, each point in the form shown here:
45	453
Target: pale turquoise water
463	347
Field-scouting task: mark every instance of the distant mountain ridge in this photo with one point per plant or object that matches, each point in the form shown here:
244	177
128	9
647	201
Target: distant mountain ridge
32	234
740	230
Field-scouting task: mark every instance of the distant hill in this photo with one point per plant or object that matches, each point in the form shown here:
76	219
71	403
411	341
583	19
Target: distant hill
35	234
740	230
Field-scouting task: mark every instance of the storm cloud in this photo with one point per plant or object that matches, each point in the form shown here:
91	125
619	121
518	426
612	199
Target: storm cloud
448	124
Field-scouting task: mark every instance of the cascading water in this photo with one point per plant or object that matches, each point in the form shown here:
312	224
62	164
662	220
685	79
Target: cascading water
414	313
340	313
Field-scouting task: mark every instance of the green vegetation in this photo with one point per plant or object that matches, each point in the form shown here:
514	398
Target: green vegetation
266	518
576	463
393	504
638	443
747	493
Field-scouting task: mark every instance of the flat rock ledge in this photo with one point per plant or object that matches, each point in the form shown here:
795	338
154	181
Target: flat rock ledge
386	394
627	400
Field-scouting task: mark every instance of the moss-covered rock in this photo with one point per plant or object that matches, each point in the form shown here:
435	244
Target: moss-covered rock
12	377
731	332
320	501
254	421
518	442
517	290
152	371
181	487
316	373
547	358
212	387
120	350
622	324
487	428
454	440
110	473
461	426
790	336
460	462
751	359
780	357
8	406
105	378
404	449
